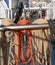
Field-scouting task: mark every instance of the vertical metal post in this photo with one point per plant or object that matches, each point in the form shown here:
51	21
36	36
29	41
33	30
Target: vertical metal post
40	11
8	13
11	14
10	4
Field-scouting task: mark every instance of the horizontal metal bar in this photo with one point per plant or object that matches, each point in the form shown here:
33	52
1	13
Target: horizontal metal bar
24	27
37	8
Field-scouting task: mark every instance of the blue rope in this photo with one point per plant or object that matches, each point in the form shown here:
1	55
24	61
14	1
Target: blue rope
52	52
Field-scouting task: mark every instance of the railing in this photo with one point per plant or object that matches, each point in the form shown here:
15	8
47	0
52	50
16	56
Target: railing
22	27
10	13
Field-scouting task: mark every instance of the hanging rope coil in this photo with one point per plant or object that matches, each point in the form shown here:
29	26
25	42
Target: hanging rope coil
25	37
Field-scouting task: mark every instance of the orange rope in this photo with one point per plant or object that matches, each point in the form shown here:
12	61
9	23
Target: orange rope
29	54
